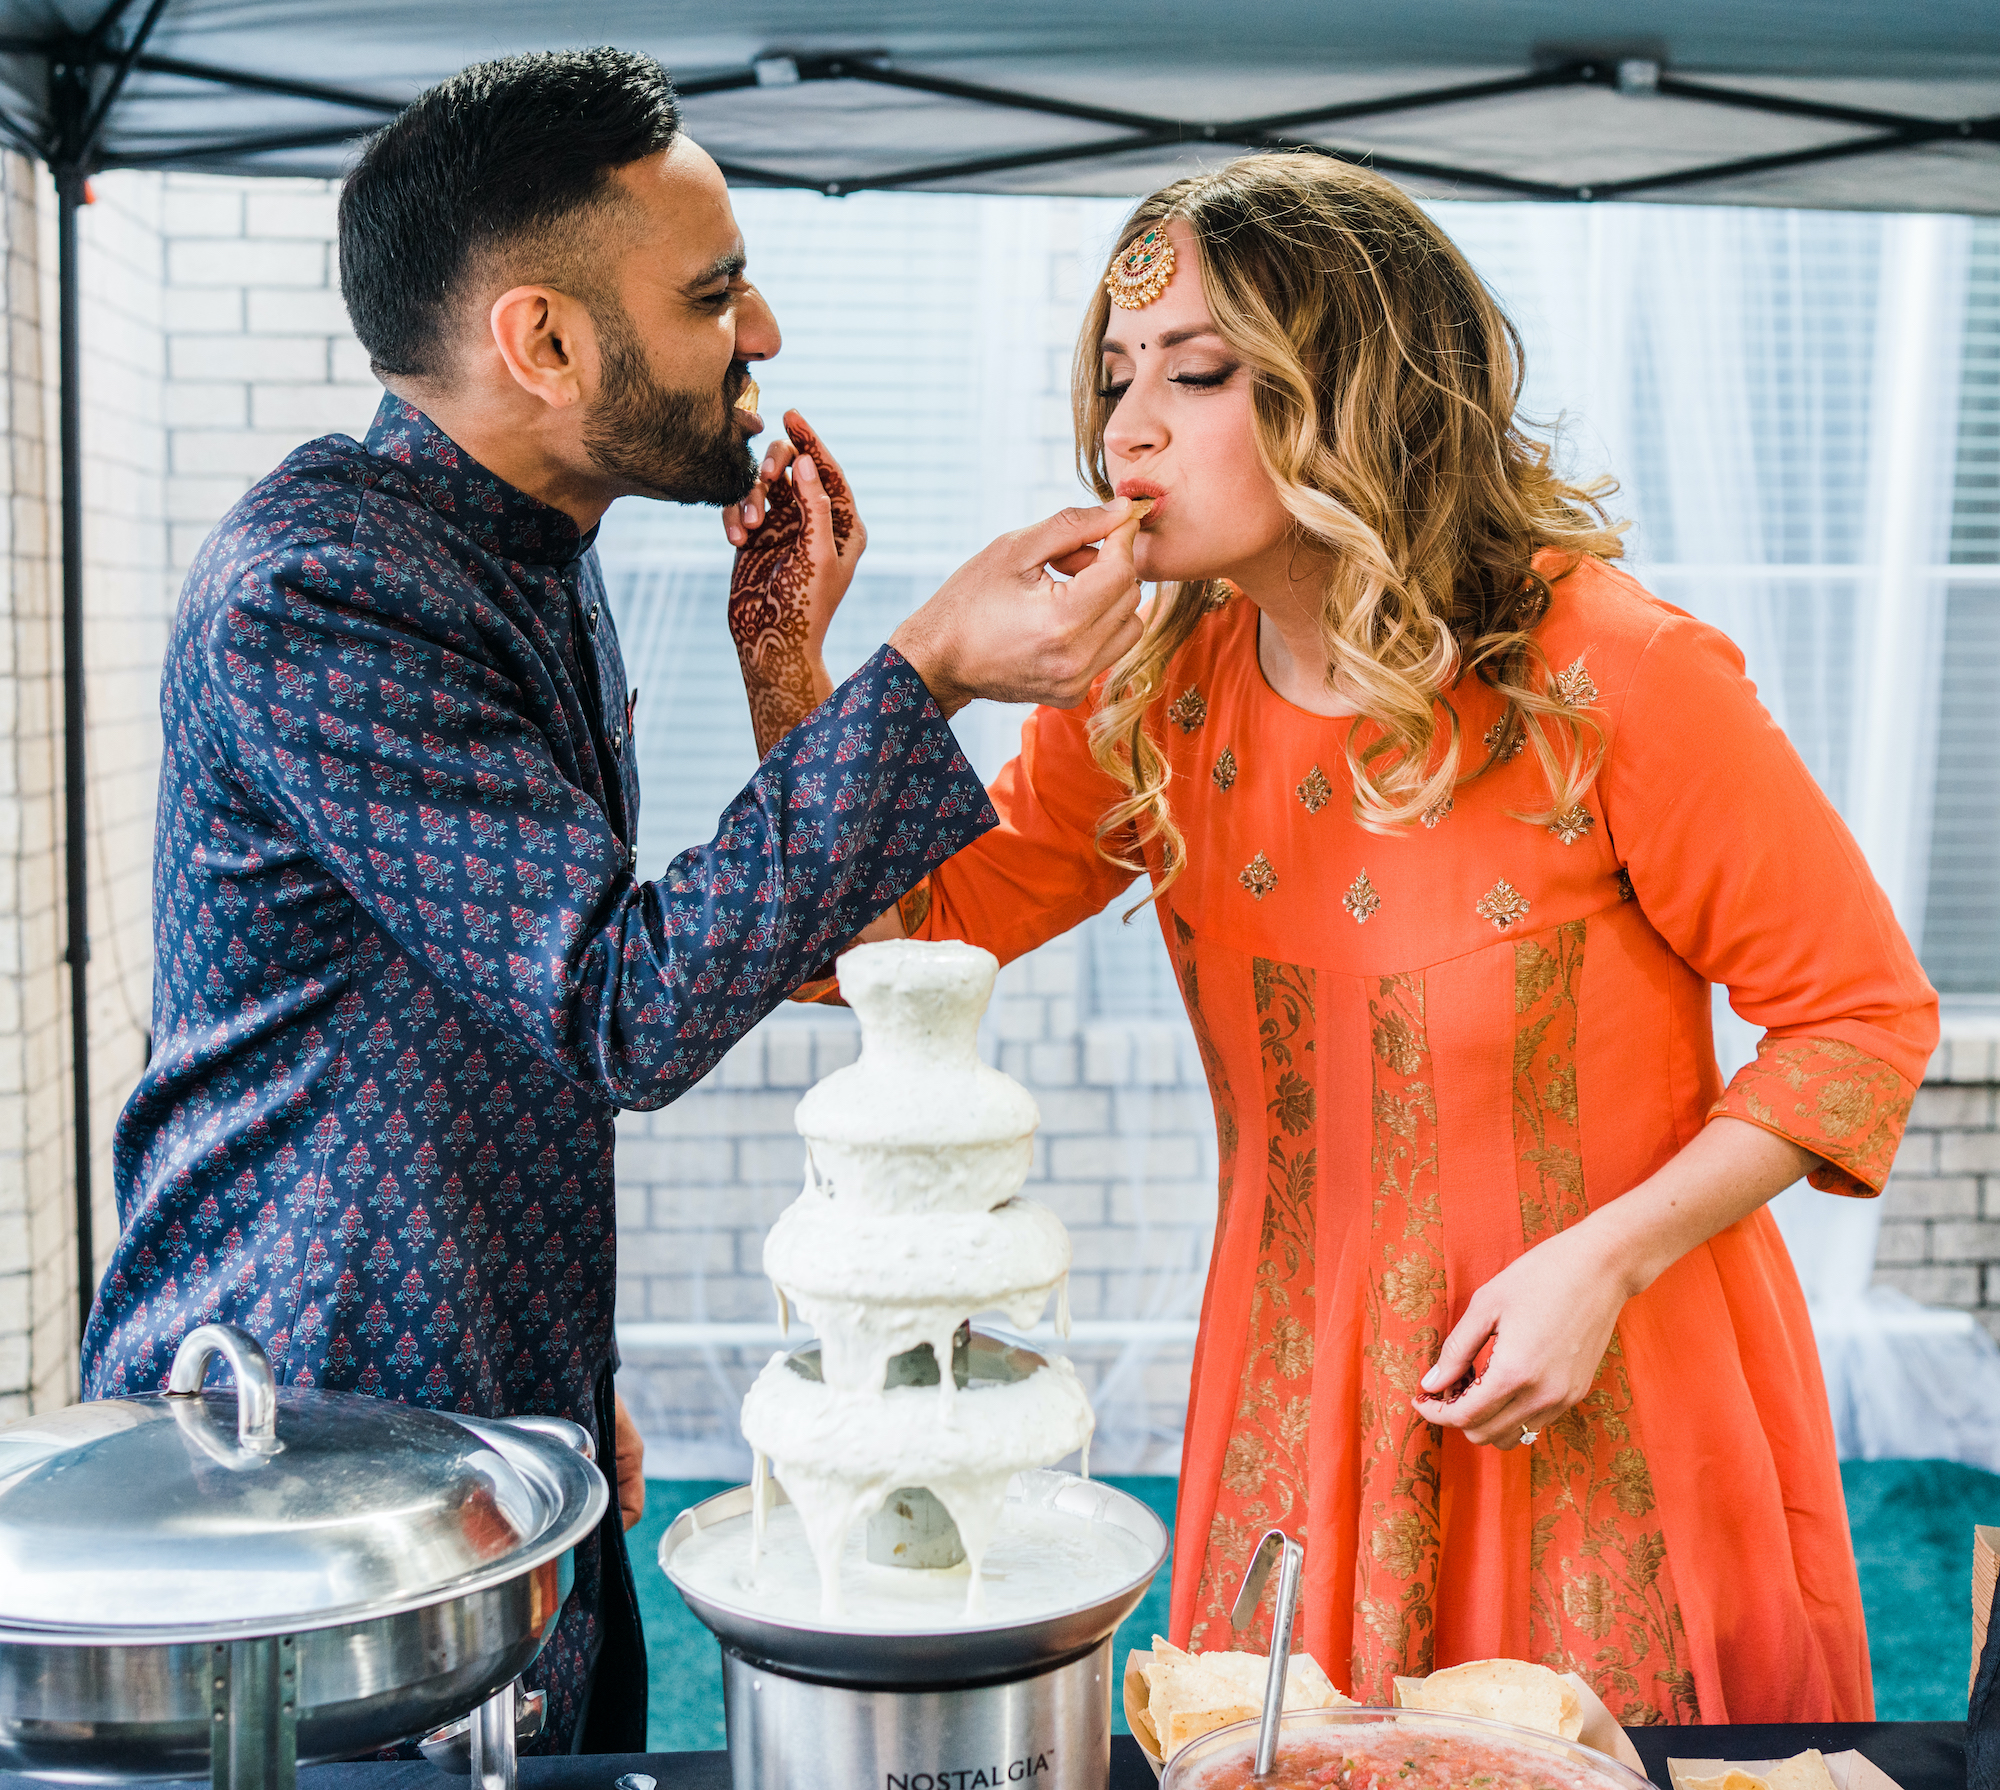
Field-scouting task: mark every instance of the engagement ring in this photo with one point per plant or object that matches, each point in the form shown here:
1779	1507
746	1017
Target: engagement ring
1528	1436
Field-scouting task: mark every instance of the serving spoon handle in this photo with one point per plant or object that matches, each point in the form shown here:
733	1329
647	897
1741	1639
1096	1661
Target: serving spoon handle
1276	1548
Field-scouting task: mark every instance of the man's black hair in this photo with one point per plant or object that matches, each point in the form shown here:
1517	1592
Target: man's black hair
506	158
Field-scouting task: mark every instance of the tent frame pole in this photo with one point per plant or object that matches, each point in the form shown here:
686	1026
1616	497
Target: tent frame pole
69	82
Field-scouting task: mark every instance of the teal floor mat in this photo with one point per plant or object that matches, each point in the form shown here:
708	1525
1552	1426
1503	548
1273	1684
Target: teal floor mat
1912	1524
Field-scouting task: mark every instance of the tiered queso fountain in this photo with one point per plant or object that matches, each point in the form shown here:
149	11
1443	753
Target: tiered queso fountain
965	1628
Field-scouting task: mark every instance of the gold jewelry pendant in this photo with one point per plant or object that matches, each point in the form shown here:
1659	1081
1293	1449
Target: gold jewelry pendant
1141	274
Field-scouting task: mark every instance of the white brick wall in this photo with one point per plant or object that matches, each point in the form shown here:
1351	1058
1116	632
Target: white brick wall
1940	1238
259	356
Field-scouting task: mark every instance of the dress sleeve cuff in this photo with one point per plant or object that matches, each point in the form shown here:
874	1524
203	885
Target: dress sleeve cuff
1826	1096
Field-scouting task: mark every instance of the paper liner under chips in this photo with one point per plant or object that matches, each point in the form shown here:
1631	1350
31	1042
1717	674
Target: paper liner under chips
1810	1770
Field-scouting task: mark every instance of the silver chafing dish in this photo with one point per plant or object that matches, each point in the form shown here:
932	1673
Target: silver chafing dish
231	1582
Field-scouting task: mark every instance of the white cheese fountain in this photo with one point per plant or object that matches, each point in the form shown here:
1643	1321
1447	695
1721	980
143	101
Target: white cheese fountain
972	1621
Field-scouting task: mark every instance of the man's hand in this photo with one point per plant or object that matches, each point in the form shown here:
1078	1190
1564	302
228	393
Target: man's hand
631	1454
798	540
1003	627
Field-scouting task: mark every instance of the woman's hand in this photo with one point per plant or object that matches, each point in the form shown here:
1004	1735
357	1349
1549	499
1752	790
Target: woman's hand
798	540
1549	1317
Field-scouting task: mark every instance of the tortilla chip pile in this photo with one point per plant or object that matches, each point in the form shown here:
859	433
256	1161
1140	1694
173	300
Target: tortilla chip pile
1501	1690
1189	1694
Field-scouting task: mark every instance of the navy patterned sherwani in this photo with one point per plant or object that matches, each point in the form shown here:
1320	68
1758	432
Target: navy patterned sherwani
407	968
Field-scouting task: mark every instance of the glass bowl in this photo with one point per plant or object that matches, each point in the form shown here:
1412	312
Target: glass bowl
1371	1735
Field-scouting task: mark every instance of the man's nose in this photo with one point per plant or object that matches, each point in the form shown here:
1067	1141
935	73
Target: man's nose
757	333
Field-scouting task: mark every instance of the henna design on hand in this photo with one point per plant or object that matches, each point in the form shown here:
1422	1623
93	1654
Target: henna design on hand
770	597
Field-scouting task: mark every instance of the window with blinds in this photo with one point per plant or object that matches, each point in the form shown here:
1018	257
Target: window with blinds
1961	948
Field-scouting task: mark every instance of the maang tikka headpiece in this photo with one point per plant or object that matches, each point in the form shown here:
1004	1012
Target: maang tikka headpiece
1141	274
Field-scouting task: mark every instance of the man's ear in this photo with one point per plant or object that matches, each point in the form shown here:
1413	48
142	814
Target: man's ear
545	339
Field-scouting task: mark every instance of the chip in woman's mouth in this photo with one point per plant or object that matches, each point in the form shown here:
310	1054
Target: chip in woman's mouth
1143	492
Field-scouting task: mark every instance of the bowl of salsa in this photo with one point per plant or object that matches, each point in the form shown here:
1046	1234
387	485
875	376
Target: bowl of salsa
1395	1749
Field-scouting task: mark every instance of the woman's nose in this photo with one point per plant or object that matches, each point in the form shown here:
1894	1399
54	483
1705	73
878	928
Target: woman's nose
1134	427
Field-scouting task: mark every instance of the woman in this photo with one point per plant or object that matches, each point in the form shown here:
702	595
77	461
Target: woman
1449	826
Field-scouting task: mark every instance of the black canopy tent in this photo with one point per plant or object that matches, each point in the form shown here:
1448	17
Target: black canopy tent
1835	103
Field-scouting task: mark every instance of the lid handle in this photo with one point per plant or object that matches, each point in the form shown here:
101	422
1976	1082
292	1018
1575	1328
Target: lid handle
256	1386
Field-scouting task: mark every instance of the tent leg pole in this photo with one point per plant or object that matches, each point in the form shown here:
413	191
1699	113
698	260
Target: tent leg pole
69	197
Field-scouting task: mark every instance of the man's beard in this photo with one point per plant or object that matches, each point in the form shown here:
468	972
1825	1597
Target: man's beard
659	441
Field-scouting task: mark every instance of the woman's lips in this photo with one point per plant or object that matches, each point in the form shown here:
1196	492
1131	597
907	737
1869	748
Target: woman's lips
1144	488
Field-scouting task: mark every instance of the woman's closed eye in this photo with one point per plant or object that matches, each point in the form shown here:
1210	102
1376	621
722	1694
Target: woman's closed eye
1207	381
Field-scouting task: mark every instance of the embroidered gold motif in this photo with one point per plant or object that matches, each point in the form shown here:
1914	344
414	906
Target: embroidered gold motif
1850	1108
1405	1315
1625	889
1438	809
1601	1592
1571	827
1503	904
1188	710
1315	791
1258	877
1574	686
1503	745
1225	770
1220	594
1361	900
1265	1478
1548	1138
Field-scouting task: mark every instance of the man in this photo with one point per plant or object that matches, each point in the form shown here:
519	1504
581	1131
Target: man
408	963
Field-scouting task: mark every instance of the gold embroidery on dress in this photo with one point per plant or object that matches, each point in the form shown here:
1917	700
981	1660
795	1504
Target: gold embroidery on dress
1265	1475
1625	889
1361	900
1188	710
1503	743
1575	687
1405	1316
1571	827
1258	877
1438	809
1315	791
1503	904
1225	770
1601	1598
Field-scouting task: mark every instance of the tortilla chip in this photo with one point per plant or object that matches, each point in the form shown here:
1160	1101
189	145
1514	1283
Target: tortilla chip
750	397
1732	1779
1501	1690
1805	1771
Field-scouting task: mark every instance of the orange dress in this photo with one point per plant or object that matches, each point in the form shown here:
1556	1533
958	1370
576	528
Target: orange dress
1427	1052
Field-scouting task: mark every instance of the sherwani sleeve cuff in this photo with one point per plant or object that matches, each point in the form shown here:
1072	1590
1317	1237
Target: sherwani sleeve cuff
942	802
1829	1097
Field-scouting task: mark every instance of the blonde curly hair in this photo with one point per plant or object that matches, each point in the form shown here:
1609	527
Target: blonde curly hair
1385	383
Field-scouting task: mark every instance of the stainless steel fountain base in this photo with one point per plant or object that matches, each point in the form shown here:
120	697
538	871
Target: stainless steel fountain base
1027	1702
1051	1730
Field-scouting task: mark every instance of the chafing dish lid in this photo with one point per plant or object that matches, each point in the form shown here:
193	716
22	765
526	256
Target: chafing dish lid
202	1513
